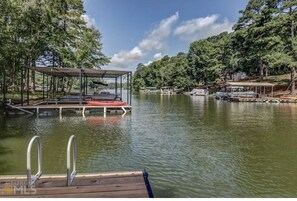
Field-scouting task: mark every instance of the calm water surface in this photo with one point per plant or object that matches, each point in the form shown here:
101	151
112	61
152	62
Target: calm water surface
190	146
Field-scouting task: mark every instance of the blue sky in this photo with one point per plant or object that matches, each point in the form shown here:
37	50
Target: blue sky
141	31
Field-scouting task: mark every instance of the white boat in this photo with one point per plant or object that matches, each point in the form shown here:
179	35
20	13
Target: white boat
198	92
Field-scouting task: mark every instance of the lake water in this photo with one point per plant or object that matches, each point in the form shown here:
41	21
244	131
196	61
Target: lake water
190	146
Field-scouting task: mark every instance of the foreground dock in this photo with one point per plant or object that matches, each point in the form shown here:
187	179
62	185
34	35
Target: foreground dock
133	184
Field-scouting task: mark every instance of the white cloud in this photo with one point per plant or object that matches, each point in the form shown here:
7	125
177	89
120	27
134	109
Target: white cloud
125	58
89	20
148	63
155	40
158	56
202	28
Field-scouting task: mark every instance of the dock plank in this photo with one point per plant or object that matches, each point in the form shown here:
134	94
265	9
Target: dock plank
114	194
123	184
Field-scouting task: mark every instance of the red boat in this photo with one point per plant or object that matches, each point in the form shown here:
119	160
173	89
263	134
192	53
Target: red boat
106	103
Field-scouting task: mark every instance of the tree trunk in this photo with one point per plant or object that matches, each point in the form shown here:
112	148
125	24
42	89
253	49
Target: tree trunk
69	85
293	92
266	71
33	77
293	75
261	67
51	84
63	85
13	72
27	63
54	86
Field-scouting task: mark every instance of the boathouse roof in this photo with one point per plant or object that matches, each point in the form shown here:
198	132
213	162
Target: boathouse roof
75	72
250	84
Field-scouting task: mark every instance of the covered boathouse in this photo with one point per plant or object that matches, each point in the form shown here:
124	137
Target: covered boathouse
82	101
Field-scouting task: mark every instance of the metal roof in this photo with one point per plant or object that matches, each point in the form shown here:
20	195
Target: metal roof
250	84
75	72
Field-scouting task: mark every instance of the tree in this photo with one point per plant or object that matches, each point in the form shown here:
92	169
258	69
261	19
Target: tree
211	58
52	33
255	37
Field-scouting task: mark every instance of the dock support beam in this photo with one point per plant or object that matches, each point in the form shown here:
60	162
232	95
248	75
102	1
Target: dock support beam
60	112
83	112
104	112
125	111
130	88
116	85
121	87
46	86
42	86
86	85
80	88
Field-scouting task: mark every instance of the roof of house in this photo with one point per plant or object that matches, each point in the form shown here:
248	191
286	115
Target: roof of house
250	84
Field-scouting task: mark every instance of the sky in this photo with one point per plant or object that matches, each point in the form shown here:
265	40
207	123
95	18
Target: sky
142	31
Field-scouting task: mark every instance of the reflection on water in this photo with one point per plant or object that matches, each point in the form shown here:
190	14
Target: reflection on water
191	146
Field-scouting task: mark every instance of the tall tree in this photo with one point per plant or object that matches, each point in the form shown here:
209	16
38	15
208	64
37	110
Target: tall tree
48	32
254	36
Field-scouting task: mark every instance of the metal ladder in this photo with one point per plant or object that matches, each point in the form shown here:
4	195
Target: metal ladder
31	180
70	175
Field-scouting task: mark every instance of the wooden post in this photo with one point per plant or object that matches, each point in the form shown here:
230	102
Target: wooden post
43	86
53	85
80	88
272	92
46	86
22	86
60	112
116	85
4	87
86	85
104	112
130	88
28	88
121	85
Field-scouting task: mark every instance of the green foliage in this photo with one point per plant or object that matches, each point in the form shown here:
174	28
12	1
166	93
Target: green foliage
50	32
264	38
169	71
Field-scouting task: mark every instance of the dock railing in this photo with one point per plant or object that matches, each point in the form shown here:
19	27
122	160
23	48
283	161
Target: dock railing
31	180
70	176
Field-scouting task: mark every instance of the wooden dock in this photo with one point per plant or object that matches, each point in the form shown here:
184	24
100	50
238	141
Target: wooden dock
262	100
63	108
133	184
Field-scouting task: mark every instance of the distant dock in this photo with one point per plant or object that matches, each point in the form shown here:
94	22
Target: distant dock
263	100
70	108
